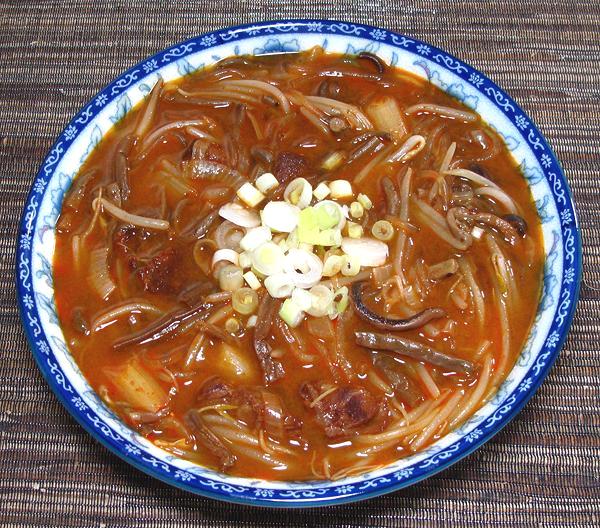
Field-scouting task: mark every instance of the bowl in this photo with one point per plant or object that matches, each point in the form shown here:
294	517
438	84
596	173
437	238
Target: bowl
561	241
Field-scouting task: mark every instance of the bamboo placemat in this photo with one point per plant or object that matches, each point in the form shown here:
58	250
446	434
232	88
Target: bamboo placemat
541	470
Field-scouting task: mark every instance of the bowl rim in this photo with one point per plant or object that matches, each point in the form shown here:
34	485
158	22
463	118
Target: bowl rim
559	188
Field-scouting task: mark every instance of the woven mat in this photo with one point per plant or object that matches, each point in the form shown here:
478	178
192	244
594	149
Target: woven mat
541	470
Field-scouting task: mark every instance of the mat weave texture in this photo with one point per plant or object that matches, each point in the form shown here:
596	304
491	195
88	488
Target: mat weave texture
543	469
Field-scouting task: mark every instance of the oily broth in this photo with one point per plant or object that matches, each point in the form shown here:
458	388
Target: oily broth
315	455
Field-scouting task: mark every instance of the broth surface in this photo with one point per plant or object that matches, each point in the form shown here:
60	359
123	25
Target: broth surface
113	279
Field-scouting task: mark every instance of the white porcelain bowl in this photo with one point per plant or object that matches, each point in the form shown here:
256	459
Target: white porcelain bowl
548	185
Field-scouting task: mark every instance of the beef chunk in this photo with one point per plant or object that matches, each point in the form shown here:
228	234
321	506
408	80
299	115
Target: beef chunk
289	165
343	410
215	152
156	274
249	402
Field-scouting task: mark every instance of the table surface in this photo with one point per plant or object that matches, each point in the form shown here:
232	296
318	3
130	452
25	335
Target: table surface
543	469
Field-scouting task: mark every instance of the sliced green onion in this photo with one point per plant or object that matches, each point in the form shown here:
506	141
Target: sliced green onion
303	267
266	182
332	266
365	201
329	210
280	216
250	195
308	226
356	210
228	255
232	325
321	191
340	299
244	301
333	161
251	323
245	260
350	265
231	278
329	237
252	280
291	313
302	298
340	189
328	214
383	230
279	286
293	239
268	259
255	237
354	230
321	300
298	192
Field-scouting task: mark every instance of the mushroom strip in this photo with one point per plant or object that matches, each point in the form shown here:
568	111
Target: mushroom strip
392	199
165	326
505	227
413	349
205	224
389	323
267	311
121	166
374	59
403	386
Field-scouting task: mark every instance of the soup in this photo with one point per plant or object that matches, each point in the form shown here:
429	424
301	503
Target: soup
299	266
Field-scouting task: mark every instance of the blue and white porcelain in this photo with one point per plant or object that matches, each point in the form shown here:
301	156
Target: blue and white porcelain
550	191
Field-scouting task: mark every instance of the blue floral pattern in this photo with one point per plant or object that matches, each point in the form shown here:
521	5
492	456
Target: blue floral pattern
35	245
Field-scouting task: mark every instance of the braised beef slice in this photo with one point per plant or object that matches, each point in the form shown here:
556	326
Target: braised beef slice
249	402
156	274
289	165
343	410
215	389
215	152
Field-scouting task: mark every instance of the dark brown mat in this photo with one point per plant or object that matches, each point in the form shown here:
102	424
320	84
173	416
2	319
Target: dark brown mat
542	470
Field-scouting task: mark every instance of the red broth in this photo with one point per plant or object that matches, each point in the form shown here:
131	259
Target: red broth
147	316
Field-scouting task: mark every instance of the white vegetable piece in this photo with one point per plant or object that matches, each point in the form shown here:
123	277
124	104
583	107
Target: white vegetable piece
250	194
322	191
305	269
255	237
266	183
252	280
268	259
237	214
280	216
279	285
340	189
251	323
370	252
302	298
298	192
225	254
